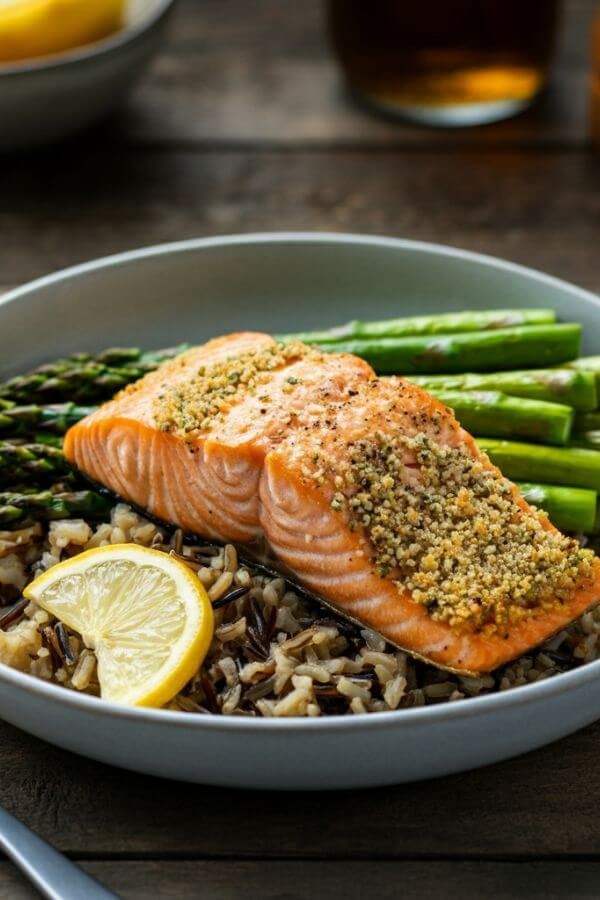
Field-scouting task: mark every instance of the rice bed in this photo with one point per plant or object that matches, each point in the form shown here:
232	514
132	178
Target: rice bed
275	652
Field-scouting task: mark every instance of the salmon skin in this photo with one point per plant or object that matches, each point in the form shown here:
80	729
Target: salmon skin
369	491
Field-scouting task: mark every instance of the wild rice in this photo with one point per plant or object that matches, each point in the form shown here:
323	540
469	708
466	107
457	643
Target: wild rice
221	585
84	670
275	652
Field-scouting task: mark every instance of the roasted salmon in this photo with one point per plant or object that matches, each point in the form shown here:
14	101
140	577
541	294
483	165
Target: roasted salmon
368	490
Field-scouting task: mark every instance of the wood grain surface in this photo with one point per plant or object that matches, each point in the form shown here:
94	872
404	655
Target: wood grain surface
539	209
242	125
259	880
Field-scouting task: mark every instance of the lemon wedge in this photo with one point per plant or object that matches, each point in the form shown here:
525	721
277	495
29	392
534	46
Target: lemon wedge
32	28
145	615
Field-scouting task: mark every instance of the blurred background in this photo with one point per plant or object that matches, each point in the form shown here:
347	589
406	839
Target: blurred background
244	122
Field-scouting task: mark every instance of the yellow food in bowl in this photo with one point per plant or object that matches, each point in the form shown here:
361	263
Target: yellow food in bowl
33	28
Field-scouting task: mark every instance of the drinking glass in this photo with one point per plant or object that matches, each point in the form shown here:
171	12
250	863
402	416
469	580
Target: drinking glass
445	62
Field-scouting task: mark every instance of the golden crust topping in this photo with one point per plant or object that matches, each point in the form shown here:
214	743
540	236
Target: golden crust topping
209	394
447	527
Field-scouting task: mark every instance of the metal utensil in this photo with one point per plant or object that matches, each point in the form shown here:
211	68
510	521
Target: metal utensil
53	874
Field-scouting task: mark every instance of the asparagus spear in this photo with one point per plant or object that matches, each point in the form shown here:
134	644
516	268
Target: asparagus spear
24	462
82	378
505	348
19	509
573	388
586	364
54	418
567	466
44	437
568	508
493	414
444	323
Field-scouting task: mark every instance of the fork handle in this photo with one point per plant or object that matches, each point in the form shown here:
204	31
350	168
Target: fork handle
55	876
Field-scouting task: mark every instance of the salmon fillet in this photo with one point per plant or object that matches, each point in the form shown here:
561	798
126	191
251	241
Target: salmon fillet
205	479
368	490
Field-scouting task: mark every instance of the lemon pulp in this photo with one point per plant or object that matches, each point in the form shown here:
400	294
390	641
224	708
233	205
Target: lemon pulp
146	616
34	28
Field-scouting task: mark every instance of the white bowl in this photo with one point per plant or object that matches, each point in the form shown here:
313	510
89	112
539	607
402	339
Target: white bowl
49	98
195	289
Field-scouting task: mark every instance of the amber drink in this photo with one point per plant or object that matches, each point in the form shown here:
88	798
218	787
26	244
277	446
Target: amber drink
445	62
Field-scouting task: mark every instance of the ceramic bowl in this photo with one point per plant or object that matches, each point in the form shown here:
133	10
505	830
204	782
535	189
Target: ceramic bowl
46	99
283	282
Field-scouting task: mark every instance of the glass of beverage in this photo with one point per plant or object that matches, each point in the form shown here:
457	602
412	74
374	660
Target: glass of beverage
445	62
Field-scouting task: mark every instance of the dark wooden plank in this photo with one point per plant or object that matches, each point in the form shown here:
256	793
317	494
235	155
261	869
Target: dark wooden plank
544	804
306	880
539	209
261	72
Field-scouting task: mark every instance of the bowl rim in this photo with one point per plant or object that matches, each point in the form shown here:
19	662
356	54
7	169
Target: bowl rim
86	52
419	716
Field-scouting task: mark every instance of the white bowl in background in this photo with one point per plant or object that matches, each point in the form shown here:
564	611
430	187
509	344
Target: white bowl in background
283	282
49	98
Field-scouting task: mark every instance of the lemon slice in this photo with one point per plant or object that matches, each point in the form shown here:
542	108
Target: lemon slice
145	615
32	28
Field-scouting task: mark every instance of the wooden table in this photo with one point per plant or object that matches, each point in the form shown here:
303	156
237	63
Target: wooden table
242	125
